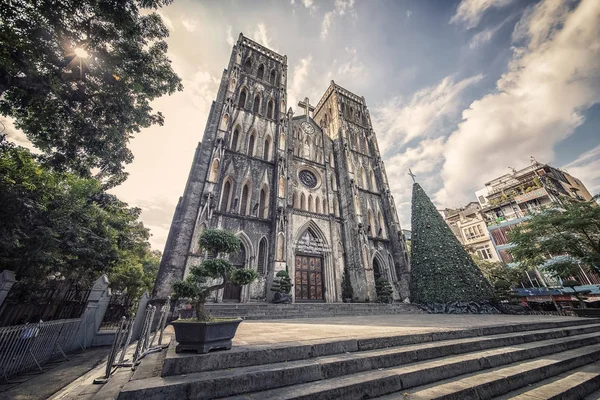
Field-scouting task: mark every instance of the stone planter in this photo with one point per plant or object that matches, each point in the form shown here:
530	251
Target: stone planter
203	337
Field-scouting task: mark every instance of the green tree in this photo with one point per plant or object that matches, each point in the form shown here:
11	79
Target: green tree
347	290
57	222
78	77
495	271
441	270
213	274
282	282
573	230
385	293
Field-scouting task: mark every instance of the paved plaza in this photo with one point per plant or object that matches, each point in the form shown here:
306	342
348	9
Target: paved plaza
310	329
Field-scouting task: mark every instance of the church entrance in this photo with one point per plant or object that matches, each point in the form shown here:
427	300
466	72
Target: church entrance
309	278
231	292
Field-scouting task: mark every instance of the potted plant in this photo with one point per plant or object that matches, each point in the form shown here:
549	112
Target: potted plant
385	293
282	286
205	333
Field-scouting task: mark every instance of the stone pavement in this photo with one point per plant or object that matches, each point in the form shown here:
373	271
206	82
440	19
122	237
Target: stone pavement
279	331
38	386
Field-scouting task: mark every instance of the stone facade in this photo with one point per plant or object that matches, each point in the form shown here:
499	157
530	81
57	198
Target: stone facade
306	193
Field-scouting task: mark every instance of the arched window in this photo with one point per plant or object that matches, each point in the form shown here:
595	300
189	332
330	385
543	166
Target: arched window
261	72
267	149
310	203
270	109
248	66
245	200
214	171
371	227
234	139
261	266
324	206
242	99
317	205
381	231
364	178
263	204
225	196
225	122
373	182
302	201
295	200
251	144
272	77
333	185
256	106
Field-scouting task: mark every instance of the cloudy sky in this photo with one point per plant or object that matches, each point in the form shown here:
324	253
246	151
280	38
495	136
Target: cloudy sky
459	91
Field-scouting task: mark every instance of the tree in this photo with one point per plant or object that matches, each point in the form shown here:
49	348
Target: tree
213	274
441	270
57	223
495	271
573	230
384	290
78	77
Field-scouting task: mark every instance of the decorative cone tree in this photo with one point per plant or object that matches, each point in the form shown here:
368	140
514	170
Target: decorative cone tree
441	270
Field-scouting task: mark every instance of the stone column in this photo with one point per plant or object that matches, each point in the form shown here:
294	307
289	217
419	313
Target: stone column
7	280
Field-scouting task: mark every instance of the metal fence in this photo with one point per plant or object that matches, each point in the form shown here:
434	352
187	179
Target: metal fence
29	346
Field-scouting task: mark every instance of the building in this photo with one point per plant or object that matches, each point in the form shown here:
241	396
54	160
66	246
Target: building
308	193
470	228
509	200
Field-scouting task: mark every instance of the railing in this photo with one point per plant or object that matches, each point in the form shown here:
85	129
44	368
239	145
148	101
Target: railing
29	346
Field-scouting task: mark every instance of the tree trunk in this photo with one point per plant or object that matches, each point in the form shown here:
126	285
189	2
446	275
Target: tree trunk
201	314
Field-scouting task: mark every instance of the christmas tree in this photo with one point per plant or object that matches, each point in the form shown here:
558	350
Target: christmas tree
385	293
441	270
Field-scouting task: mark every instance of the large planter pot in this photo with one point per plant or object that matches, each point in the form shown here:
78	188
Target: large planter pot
203	337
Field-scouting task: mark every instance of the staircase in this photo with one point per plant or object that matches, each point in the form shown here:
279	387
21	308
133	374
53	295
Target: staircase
307	310
544	360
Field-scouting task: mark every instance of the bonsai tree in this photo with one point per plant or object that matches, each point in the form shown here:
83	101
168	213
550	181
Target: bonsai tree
282	285
347	291
384	290
212	274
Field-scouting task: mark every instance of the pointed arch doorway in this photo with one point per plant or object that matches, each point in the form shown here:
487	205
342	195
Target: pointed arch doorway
232	292
309	262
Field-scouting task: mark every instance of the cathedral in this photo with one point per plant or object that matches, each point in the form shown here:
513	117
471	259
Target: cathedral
304	192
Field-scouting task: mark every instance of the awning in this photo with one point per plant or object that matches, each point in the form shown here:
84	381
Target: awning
539	299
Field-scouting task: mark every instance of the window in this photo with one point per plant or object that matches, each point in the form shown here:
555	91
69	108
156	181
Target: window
261	267
267	148
272	77
500	235
302	202
256	106
225	195
484	252
261	72
310	203
214	171
263	204
244	203
270	109
248	66
381	225
371	227
242	99
251	145
318	205
234	139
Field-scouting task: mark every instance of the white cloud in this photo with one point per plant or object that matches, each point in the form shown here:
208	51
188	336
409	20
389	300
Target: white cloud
189	24
341	7
424	160
261	36
471	11
587	169
539	100
230	40
481	38
353	68
400	121
15	135
298	81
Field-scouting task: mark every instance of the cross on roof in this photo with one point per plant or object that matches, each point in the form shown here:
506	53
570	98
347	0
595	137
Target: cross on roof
411	175
307	107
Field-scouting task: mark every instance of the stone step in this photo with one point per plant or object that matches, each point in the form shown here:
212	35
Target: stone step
572	385
350	375
500	381
399	381
449	342
593	396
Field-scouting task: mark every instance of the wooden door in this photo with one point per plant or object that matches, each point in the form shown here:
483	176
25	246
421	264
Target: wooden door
309	278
